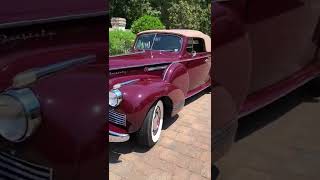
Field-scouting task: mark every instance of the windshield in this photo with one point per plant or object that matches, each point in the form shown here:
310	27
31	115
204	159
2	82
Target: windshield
160	42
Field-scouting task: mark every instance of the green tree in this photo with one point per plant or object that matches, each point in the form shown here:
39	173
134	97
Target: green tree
120	41
191	14
132	9
146	23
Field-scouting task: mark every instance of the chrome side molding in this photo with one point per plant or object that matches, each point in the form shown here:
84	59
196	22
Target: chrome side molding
32	75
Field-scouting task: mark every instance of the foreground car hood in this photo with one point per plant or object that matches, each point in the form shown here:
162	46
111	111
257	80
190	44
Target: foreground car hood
141	58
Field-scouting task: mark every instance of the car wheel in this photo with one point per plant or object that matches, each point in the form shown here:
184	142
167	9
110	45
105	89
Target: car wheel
149	134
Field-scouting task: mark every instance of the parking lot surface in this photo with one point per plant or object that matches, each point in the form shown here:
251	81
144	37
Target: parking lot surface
183	151
278	142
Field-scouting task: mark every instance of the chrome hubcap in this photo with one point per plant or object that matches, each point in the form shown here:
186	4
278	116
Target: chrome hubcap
156	120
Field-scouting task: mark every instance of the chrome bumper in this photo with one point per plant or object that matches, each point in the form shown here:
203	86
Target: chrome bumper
118	137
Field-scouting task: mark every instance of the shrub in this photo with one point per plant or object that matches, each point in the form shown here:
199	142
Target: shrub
120	41
146	23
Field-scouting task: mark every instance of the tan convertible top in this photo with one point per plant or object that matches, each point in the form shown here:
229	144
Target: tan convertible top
185	32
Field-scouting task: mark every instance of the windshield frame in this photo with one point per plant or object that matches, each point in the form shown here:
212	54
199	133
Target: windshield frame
157	33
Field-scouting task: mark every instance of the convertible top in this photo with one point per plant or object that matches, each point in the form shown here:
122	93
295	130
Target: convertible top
186	33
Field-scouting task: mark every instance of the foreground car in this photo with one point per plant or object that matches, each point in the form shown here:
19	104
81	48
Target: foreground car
151	84
263	49
52	91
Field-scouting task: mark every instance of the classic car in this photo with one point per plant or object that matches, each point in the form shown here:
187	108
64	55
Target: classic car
150	84
52	90
262	50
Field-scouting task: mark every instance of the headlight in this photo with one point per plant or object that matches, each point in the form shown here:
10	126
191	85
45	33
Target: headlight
115	97
19	114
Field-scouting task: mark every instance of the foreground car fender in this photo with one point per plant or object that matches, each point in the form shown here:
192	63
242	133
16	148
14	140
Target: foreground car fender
67	115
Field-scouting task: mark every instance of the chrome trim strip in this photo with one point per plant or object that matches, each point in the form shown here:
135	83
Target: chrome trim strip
63	65
119	85
24	168
148	69
19	81
127	54
118	137
20	172
151	64
166	71
53	19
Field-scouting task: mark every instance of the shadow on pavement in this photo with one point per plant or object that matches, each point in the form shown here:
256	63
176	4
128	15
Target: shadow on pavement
267	115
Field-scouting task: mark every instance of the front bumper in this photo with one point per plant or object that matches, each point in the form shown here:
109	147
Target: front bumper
118	137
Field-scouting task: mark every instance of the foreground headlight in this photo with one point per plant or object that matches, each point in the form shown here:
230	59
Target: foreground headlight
19	114
115	97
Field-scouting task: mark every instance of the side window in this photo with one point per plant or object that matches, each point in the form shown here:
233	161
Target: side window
196	45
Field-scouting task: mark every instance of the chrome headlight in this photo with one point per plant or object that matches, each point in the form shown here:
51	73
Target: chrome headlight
19	114
115	97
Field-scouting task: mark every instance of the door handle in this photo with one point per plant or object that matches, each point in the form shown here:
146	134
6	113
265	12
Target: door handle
206	60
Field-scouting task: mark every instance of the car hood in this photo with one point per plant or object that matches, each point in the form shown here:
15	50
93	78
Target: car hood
141	58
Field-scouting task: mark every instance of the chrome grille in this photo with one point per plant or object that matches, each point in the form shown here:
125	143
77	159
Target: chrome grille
116	117
15	168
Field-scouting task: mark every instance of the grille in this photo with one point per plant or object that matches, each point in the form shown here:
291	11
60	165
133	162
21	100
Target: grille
117	118
12	168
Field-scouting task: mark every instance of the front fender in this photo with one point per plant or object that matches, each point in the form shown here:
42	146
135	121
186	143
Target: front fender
141	95
72	135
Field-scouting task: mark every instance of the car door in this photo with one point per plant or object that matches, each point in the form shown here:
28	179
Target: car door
280	34
198	62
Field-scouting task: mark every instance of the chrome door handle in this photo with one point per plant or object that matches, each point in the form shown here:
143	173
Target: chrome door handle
207	60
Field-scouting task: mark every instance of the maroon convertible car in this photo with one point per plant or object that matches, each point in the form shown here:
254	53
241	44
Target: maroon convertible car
152	82
262	50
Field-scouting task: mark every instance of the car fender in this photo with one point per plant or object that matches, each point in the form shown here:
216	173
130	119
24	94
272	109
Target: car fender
70	102
139	97
177	75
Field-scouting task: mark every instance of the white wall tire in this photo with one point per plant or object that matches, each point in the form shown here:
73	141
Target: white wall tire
150	132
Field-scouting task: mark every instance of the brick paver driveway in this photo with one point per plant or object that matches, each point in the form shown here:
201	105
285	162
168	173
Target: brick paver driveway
183	151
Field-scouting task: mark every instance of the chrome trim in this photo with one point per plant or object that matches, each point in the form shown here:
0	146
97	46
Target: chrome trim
128	54
148	69
31	108
117	118
166	71
23	169
63	65
118	94
43	71
118	137
160	63
119	85
53	19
